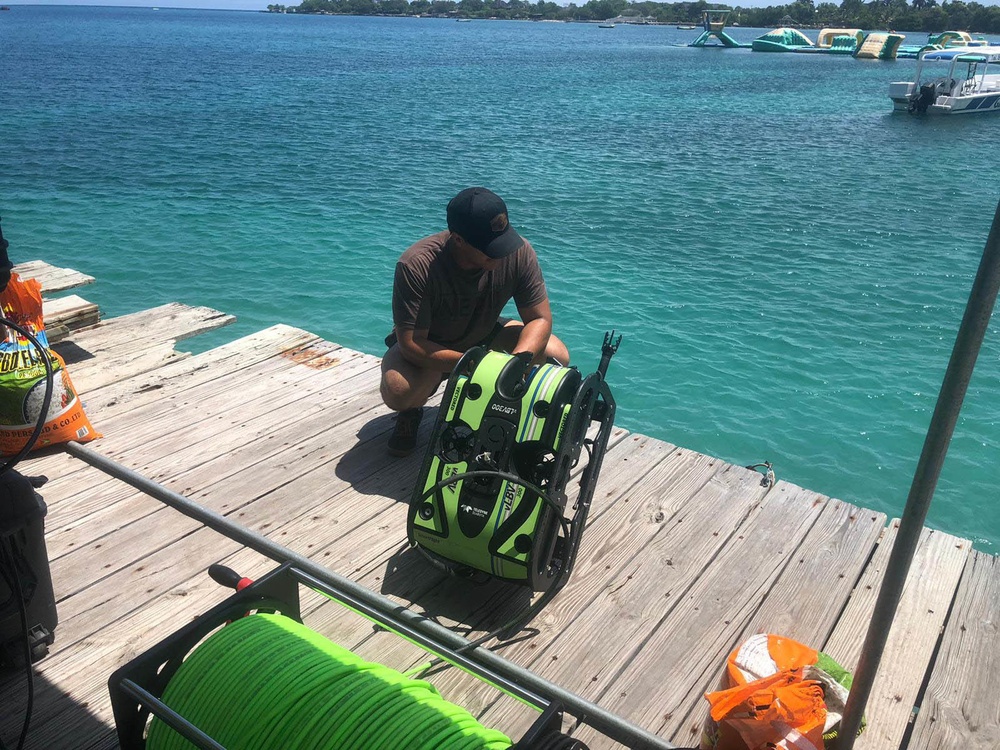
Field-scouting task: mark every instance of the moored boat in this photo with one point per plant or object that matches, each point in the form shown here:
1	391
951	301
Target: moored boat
951	81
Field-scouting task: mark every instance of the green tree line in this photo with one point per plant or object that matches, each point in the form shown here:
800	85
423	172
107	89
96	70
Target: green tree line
900	15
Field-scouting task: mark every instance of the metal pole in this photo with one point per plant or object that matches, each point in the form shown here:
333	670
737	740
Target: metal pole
604	721
956	381
172	719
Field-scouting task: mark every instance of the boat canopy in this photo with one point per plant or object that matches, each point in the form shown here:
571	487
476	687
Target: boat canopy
964	54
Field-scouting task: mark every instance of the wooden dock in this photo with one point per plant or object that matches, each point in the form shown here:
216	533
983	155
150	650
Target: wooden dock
684	556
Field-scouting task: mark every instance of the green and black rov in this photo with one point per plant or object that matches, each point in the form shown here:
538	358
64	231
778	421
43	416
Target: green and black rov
491	498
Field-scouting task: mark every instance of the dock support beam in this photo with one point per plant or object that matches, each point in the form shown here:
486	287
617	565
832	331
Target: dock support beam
956	382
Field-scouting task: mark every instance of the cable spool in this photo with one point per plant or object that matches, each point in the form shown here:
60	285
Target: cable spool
267	682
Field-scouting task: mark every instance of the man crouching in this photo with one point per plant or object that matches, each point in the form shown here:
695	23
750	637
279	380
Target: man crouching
447	296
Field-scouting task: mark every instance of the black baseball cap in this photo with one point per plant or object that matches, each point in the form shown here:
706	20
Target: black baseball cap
480	216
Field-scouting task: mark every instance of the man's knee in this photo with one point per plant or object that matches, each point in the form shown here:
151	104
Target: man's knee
557	350
392	395
398	392
405	386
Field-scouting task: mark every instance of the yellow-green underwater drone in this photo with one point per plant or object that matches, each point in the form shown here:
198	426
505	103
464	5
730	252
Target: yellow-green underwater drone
491	497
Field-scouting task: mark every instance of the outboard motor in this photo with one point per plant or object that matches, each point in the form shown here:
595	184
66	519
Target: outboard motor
927	96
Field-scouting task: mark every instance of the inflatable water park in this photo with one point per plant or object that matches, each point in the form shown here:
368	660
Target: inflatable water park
854	42
862	45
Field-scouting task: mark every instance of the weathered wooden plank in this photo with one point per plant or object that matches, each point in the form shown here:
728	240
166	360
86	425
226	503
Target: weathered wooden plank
71	311
641	597
131	345
808	596
180	431
272	381
110	369
206	483
234	458
302	478
960	709
52	278
411	580
245	353
130	393
927	595
101	498
262	462
116	336
692	619
291	384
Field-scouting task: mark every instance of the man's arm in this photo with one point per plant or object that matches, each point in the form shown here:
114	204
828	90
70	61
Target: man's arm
534	336
420	351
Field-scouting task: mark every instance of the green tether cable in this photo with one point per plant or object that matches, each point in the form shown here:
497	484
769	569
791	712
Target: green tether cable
267	682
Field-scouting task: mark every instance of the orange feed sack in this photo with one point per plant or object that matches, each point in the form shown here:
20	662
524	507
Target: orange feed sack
776	694
22	378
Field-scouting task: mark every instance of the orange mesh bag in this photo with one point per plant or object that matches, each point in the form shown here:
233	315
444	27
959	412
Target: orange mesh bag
776	694
22	377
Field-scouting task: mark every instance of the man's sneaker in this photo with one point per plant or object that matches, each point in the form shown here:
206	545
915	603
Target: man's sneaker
404	436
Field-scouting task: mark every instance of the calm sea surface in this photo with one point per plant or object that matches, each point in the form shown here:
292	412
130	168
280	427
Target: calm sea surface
787	261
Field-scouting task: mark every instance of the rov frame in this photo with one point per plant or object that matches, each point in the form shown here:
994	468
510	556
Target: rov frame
491	496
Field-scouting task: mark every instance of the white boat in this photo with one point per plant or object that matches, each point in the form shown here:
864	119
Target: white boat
951	81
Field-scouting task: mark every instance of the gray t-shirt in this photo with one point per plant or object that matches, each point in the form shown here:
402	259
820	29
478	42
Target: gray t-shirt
459	308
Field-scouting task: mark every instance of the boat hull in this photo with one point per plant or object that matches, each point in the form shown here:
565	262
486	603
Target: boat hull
954	105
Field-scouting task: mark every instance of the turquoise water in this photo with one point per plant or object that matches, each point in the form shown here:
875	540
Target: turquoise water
788	262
